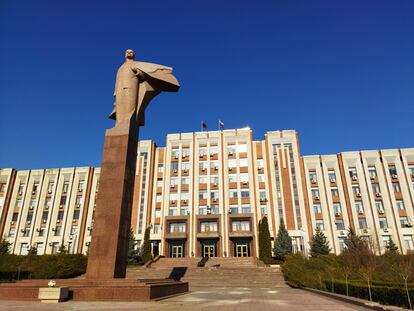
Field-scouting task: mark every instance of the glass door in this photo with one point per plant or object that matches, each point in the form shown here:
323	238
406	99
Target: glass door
242	250
176	251
209	251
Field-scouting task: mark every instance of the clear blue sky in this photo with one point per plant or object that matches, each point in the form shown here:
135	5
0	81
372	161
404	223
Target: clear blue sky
339	72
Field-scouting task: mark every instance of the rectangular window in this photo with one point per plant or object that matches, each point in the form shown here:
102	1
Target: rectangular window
174	167
315	193
320	225
63	200
312	177
262	178
208	226
202	195
408	242
203	165
214	209
243	163
60	215
157	229
263	209
214	179
12	232
65	187
50	187
173	196
214	195
334	192
172	211
332	176
245	193
174	181
393	171
376	189
383	222
203	151
184	196
45	215
203	179
185	166
2	187
411	170
185	180
400	204
176	227
317	208
380	207
21	189
240	225
404	222
362	223
19	203
233	193
175	153
241	148
32	203
15	216
372	172
244	178
234	209
76	214
232	178
160	168
356	190
340	225
353	173
396	187
337	209
81	185
48	203
246	208
202	210
359	206
260	163
58	231
232	163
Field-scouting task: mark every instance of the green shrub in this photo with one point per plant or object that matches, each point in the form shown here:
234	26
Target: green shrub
60	266
387	295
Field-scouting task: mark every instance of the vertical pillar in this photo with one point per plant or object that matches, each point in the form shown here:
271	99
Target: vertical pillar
112	219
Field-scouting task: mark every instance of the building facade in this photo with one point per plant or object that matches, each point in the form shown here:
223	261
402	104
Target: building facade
204	193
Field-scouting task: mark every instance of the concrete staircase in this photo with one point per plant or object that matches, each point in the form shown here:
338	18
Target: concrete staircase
232	272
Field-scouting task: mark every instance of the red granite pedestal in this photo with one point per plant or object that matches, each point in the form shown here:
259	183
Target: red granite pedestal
93	290
108	252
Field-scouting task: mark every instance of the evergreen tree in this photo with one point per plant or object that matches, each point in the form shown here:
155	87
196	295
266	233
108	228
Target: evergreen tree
391	247
146	254
133	254
283	243
4	247
62	249
354	242
265	245
319	244
32	250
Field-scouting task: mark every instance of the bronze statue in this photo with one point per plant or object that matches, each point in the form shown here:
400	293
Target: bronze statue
136	84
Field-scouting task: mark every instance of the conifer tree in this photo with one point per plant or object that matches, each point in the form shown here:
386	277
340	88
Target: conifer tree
133	254
265	245
391	247
4	247
146	254
283	243
319	244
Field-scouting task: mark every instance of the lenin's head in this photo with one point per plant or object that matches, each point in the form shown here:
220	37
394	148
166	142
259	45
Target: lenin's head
129	54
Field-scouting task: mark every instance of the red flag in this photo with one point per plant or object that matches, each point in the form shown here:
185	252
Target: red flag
221	124
203	125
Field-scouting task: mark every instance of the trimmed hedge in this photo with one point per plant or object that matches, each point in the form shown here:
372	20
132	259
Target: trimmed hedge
60	266
386	295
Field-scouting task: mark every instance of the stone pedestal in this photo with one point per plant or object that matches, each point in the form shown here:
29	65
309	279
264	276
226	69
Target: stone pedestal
53	294
112	220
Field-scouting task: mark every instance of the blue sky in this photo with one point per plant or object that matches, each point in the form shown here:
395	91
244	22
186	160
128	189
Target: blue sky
339	72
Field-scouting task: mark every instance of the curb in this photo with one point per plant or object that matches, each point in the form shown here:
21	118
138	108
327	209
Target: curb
355	301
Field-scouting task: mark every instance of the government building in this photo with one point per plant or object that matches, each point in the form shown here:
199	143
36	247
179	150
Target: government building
203	194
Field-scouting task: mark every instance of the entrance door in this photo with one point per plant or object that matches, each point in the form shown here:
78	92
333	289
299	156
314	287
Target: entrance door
209	251
242	250
176	251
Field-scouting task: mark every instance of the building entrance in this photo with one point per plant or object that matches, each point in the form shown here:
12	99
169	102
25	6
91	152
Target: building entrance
177	249
208	248
241	248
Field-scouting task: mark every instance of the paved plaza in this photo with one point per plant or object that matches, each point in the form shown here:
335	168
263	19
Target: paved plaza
216	299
